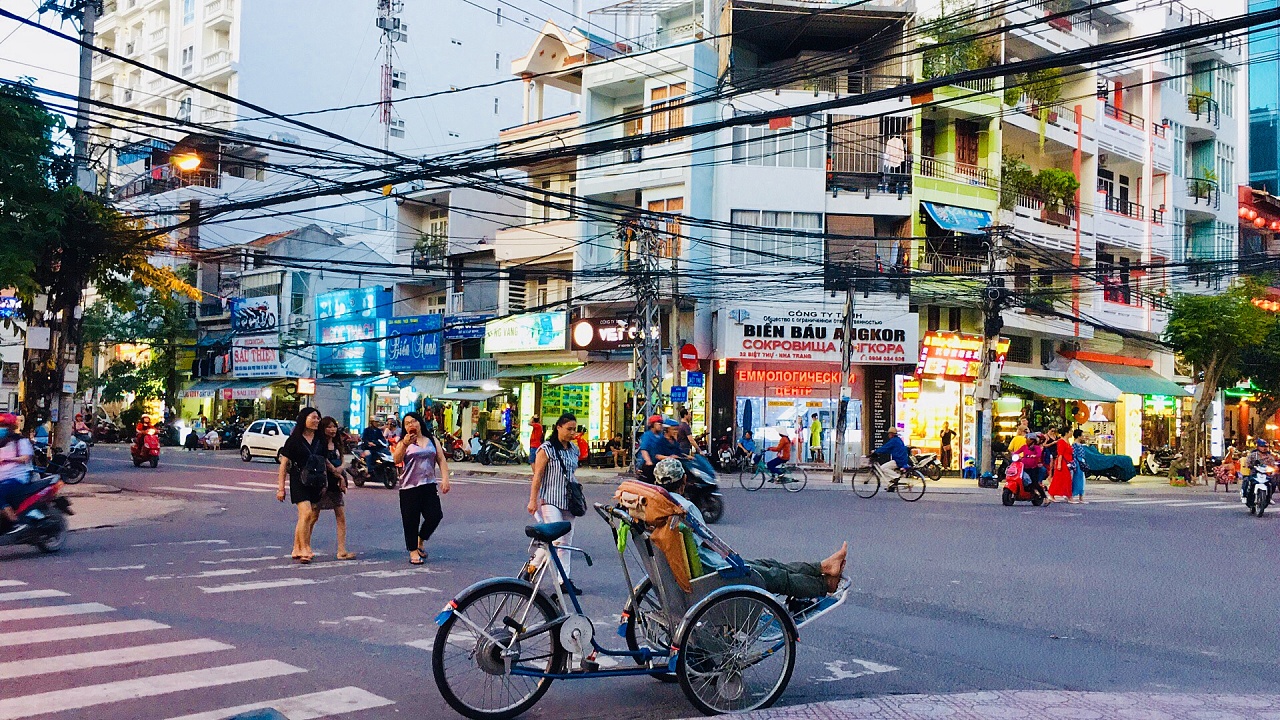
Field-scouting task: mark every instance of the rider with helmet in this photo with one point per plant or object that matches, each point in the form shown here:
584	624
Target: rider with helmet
15	466
656	444
1261	455
796	580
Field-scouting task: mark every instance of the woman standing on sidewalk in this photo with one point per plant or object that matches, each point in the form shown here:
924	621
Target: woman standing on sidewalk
424	477
553	470
334	445
1077	468
1060	468
295	457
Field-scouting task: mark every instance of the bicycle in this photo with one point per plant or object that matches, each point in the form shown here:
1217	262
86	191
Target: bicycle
910	483
792	478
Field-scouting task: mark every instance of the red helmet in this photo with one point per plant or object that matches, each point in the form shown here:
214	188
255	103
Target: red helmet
9	420
653	419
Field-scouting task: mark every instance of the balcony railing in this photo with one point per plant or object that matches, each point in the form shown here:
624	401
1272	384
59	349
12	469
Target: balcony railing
1159	130
159	36
147	185
982	85
846	82
1063	217
1120	206
614	157
1205	109
956	172
213	310
952	264
472	371
1204	191
1125	116
217	58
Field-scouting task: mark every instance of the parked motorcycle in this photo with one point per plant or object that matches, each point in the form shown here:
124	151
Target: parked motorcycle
377	466
169	435
1259	487
1158	461
146	449
504	450
230	432
927	464
105	431
72	465
454	448
702	489
42	511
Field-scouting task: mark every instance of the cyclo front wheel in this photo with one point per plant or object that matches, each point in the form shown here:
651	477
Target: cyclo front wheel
471	669
736	653
647	627
865	482
910	486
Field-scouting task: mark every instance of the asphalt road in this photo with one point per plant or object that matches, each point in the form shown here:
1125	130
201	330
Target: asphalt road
202	611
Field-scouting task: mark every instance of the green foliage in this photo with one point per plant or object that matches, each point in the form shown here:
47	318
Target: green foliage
1042	87
1015	178
954	48
1053	186
145	382
1213	331
1056	187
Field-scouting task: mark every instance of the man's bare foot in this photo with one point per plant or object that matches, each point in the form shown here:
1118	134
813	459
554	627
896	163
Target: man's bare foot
833	567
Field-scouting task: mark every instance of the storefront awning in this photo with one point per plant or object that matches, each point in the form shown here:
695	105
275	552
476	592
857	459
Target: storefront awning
532	371
472	395
1046	387
958	219
597	372
204	389
1137	380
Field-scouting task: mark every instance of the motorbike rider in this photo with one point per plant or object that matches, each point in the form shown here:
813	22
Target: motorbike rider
896	450
371	436
1261	455
81	429
15	467
656	444
140	430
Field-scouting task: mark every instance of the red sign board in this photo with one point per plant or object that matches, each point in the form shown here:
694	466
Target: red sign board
954	356
689	357
306	386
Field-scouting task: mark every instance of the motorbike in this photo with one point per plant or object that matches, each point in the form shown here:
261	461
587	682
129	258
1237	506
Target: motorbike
1017	491
146	449
42	511
105	431
1158	461
72	465
169	435
454	448
927	464
506	449
728	457
378	466
230	433
702	489
1257	489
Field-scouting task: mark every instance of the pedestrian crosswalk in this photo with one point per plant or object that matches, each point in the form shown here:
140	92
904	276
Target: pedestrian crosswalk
59	635
1223	502
212	490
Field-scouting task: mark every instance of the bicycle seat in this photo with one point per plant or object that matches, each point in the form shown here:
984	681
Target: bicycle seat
548	532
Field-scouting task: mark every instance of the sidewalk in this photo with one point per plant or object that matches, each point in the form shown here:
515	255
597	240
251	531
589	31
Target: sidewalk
96	505
1033	704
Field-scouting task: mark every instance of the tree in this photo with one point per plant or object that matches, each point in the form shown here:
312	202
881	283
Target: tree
1213	332
1261	364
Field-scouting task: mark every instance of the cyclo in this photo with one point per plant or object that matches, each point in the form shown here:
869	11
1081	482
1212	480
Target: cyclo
730	645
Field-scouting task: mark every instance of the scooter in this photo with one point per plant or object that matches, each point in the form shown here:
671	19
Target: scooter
702	489
1257	489
927	464
454	448
146	449
70	466
1158	461
42	511
1017	491
506	449
378	466
106	431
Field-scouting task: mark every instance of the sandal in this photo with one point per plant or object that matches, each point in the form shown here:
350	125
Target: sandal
416	560
346	556
305	560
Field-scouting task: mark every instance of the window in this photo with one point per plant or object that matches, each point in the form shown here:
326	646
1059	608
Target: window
801	145
666	96
1019	349
184	109
953	319
257	427
634	124
668	229
935	318
188	59
1226	168
498	14
497	61
753	248
456	41
1178	67
9	373
1179	148
188	11
298	293
495	106
1048	351
1227	89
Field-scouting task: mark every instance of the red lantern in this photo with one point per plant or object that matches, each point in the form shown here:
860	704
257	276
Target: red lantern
1243	211
1275	225
1252	215
1260	222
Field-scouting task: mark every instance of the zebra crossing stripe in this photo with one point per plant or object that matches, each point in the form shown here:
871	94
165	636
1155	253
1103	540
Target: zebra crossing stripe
427	645
305	707
32	595
75	632
107	658
87	696
1149	502
1195	504
212	486
11	583
54	611
257	585
194	491
271	486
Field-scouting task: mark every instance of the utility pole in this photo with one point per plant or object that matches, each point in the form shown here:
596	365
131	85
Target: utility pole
66	345
846	364
642	244
394	30
995	296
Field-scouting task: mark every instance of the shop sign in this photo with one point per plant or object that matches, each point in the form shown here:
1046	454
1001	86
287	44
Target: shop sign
343	305
306	386
256	357
1159	404
347	325
695	379
531	332
954	356
604	334
679	393
250	393
413	344
199	394
688	357
10	307
807	332
466	327
792	377
255	316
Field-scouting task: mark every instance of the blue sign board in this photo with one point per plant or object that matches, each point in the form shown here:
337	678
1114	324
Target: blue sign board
412	344
348	325
466	327
679	394
695	379
11	307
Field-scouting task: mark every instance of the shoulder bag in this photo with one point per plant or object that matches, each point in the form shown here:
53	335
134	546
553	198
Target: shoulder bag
315	475
575	501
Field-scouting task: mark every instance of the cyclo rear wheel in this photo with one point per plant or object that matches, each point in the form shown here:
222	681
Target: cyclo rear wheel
736	653
469	668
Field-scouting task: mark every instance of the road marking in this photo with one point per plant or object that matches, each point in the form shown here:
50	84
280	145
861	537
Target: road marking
107	658
205	574
32	595
1195	504
1149	502
269	486
232	487
75	632
239	560
11	583
90	695
306	707
427	645
1236	504
259	585
838	671
194	491
186	542
224	468
122	567
396	591
54	611
246	549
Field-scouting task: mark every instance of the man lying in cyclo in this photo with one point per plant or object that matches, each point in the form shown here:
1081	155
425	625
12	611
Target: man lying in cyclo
797	580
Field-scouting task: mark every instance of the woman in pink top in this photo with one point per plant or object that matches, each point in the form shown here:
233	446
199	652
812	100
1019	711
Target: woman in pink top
1032	454
424	477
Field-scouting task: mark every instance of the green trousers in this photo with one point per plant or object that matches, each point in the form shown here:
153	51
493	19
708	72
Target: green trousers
799	580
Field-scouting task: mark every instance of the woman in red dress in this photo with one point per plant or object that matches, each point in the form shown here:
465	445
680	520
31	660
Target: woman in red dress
1060	470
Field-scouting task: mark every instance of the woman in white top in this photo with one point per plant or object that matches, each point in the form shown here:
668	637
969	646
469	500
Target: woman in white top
553	470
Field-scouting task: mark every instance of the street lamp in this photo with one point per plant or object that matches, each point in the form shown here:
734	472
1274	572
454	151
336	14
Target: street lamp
186	162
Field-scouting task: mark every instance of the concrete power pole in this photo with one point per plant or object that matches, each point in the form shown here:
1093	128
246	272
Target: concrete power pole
643	242
995	296
846	364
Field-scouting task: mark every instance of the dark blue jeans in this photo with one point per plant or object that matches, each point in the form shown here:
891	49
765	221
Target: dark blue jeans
774	464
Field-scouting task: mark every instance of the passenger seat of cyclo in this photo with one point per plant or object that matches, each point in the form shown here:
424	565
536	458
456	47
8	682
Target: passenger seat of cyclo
654	507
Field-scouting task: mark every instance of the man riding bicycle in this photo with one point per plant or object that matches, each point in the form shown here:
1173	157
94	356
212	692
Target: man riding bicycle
896	451
783	450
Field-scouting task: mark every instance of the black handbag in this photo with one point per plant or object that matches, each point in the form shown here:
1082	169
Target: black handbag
575	501
316	473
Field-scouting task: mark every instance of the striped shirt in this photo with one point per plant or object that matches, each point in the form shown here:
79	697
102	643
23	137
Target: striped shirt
557	474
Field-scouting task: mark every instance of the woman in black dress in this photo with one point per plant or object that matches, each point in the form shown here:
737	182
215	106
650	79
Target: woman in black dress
334	444
294	457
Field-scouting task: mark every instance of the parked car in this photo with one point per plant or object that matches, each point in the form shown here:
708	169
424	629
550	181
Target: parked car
264	438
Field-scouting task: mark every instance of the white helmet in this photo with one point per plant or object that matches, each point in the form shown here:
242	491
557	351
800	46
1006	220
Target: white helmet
668	472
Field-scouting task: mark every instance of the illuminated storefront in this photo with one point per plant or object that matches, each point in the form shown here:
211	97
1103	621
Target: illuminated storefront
946	369
787	400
